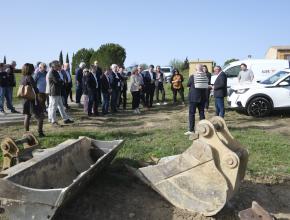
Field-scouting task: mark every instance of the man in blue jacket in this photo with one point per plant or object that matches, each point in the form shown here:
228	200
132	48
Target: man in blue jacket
220	91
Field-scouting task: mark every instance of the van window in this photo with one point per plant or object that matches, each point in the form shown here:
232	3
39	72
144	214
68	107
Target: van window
233	71
165	70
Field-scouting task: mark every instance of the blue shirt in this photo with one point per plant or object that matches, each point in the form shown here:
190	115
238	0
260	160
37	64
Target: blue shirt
40	79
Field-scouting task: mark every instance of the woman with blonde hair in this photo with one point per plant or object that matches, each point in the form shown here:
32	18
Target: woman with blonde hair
136	88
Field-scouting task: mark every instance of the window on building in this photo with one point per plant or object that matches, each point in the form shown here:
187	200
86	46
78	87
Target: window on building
287	57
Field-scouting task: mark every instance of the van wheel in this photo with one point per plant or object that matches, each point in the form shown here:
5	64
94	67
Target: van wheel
259	107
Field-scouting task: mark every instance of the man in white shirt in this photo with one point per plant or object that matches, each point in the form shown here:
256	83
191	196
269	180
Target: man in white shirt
245	75
116	87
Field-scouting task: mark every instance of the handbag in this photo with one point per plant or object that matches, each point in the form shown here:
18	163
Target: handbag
26	92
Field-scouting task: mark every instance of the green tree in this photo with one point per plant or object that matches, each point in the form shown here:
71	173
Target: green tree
82	55
176	64
4	60
60	59
229	61
144	66
67	58
107	54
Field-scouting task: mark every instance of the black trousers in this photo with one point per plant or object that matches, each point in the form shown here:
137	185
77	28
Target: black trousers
67	94
181	93
192	110
149	94
207	98
160	88
93	102
114	99
123	97
135	99
79	92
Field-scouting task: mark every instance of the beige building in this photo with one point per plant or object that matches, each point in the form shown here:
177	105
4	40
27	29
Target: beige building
278	52
208	63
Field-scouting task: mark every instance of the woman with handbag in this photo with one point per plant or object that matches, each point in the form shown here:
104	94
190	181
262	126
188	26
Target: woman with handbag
28	92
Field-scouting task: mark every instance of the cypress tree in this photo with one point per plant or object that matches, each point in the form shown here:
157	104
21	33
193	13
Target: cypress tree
61	58
67	59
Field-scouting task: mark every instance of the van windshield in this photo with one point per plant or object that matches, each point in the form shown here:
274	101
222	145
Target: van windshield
274	78
165	70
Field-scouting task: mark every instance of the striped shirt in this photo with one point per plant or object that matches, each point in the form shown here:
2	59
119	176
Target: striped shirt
200	81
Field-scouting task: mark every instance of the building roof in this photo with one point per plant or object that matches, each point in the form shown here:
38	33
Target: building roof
286	47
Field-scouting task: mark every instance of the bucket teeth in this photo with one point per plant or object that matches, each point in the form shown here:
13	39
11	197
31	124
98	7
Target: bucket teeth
205	176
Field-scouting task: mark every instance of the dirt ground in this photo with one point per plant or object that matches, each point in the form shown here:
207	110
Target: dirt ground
116	194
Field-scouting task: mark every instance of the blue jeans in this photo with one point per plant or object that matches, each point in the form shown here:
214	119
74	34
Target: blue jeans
6	92
79	92
192	110
105	102
93	103
220	107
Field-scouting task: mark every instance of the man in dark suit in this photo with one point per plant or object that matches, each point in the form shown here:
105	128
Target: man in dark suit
79	83
115	79
67	83
99	73
220	91
93	84
106	91
149	79
198	85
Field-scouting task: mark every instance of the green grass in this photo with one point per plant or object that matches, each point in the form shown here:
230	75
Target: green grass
268	153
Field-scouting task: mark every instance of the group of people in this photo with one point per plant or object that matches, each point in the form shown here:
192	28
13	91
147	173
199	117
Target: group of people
200	87
51	87
144	84
107	89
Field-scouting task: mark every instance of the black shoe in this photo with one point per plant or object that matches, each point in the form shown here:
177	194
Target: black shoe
14	111
68	121
41	134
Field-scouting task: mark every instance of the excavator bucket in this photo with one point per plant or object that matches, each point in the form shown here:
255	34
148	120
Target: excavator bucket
38	187
204	177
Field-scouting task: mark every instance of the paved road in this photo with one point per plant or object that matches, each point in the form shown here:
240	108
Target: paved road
9	117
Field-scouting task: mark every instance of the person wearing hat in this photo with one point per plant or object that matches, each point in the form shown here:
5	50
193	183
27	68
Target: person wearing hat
79	82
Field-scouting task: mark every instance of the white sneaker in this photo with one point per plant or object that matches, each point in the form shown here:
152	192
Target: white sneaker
138	111
135	111
157	103
164	103
188	133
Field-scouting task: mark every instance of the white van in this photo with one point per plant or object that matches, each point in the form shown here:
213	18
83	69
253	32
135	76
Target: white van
262	69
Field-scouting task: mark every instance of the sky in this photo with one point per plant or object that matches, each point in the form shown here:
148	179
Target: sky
151	31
